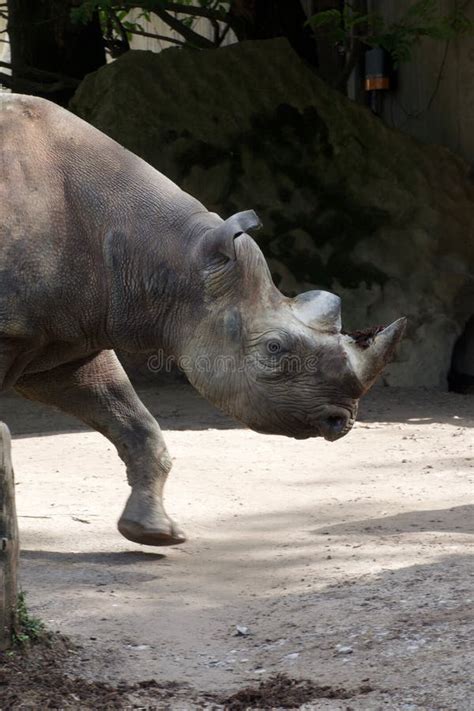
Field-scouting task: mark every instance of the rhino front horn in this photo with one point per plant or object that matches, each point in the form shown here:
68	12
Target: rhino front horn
369	359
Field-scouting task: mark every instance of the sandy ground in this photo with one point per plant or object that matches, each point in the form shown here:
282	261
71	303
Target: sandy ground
348	563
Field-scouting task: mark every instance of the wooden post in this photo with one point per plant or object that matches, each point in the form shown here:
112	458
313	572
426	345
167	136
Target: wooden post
9	544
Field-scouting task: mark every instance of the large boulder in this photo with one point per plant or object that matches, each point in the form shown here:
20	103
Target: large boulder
347	203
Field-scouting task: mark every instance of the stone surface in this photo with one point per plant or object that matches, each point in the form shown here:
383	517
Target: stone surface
347	203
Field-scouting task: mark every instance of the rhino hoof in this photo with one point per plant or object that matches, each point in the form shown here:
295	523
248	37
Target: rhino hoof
150	536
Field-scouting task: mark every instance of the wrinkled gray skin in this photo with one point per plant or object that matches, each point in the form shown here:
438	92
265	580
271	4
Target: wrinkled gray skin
98	251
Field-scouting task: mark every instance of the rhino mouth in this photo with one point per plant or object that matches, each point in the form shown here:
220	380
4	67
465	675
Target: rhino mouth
294	432
312	434
330	428
302	433
335	437
330	423
327	437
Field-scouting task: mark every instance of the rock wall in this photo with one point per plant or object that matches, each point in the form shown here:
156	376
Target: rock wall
347	203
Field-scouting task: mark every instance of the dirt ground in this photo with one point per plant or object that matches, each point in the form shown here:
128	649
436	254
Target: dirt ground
347	564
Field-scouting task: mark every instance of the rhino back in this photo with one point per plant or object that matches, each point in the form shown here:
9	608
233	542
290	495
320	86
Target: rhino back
64	188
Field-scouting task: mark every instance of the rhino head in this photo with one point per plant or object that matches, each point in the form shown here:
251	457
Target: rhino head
280	365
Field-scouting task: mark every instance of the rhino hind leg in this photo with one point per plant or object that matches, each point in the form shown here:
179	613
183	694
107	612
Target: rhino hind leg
97	391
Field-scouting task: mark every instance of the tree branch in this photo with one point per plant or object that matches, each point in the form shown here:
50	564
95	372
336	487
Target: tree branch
189	35
192	10
142	33
120	27
352	60
224	34
216	33
163	9
35	87
23	73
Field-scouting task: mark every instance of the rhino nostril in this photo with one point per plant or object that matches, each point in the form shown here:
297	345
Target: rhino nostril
336	423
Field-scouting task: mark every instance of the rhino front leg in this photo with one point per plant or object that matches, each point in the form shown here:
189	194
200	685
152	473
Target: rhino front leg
97	391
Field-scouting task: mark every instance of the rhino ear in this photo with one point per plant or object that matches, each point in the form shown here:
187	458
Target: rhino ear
221	239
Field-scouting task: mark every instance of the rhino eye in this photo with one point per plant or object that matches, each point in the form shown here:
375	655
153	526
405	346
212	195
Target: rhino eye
274	347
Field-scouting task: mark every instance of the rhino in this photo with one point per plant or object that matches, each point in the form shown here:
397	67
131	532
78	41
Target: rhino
100	252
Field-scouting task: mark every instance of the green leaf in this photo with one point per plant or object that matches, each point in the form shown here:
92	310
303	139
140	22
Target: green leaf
326	17
131	26
422	9
362	19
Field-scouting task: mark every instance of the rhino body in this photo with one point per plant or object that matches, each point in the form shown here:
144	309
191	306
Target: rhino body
99	251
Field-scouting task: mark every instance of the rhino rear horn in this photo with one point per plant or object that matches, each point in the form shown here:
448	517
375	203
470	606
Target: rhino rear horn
222	238
318	309
368	361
